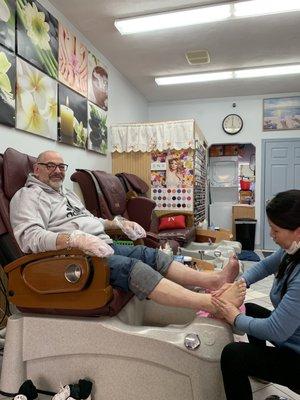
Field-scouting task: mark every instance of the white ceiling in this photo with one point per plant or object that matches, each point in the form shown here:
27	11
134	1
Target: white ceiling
258	41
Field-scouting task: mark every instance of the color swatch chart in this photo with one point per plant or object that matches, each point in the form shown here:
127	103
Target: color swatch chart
173	198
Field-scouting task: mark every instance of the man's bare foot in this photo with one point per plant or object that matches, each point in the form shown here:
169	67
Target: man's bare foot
229	272
235	294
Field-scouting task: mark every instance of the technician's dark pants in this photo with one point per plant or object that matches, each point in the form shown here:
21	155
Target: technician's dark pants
273	364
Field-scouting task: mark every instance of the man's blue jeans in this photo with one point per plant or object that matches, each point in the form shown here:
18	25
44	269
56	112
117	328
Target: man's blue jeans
137	268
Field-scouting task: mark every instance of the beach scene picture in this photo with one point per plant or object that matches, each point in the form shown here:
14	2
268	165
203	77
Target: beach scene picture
281	113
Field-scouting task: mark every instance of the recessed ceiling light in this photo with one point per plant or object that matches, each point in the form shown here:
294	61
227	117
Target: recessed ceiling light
191	78
223	75
267	71
201	15
263	7
173	19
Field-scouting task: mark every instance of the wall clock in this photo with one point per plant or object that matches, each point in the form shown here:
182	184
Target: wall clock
232	124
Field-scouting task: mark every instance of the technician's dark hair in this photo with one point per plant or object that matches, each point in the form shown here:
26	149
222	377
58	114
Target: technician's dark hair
284	210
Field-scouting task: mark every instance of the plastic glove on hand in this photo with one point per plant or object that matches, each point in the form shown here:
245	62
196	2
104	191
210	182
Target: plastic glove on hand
132	229
90	244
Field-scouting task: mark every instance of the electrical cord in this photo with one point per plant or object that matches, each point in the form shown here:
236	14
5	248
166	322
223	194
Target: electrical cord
46	392
7	312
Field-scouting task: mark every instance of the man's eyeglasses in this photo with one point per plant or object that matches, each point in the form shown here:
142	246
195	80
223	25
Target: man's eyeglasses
52	167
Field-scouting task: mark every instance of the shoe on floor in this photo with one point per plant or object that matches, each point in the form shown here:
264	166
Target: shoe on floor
62	394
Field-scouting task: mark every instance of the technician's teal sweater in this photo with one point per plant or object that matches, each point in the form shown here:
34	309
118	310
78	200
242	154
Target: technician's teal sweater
283	326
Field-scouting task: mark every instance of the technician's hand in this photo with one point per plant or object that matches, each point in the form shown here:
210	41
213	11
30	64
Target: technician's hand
222	289
90	244
228	311
132	229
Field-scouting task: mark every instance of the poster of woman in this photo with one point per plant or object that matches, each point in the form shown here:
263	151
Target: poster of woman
175	172
179	171
172	179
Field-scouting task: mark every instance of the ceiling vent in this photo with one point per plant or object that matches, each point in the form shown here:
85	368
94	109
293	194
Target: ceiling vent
197	57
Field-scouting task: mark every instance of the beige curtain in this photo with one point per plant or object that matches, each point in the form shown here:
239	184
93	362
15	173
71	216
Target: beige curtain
146	137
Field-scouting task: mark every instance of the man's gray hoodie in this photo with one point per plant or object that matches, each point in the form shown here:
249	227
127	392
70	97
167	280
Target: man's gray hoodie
38	214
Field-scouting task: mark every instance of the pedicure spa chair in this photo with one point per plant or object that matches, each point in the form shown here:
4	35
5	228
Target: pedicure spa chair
70	324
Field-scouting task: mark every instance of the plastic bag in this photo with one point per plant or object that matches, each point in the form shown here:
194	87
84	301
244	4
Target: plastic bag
132	229
90	244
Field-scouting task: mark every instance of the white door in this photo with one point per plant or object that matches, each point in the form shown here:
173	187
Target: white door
281	171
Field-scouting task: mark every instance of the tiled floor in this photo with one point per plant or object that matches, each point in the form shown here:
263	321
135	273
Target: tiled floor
259	294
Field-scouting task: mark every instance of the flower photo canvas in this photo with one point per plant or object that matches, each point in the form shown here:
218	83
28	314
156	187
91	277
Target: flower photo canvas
7	23
72	117
37	36
97	82
97	129
36	103
7	87
73	63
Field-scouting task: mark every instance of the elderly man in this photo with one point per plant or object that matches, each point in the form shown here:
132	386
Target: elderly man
46	216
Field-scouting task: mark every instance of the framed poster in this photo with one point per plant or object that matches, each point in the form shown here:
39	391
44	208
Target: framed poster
7	23
97	129
7	87
36	110
172	179
72	60
179	170
282	113
37	36
72	117
97	82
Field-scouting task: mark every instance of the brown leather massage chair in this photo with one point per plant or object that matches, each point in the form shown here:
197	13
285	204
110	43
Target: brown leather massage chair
133	184
105	196
70	324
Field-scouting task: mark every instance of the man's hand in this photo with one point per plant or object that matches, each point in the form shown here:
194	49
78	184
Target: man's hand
228	311
132	229
90	244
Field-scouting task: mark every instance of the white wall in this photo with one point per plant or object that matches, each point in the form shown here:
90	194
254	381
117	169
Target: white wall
209	114
125	104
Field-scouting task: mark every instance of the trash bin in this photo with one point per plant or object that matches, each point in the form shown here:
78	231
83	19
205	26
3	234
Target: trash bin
245	232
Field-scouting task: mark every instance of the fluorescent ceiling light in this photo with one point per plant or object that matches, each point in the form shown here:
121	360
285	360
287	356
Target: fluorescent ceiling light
262	7
201	15
237	74
173	19
211	76
267	71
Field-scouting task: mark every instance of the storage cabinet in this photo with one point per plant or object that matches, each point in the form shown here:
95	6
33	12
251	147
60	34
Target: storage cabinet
203	235
241	211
